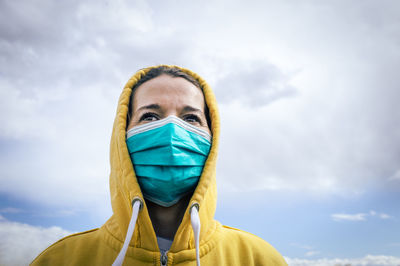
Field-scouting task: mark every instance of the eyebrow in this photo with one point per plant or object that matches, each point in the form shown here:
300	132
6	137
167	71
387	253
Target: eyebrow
153	106
189	108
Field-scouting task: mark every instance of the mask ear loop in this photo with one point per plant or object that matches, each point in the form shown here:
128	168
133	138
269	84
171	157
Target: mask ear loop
137	204
195	221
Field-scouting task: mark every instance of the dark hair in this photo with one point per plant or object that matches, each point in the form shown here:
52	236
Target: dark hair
170	71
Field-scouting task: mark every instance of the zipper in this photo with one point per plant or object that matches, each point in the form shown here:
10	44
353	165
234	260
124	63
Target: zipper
164	258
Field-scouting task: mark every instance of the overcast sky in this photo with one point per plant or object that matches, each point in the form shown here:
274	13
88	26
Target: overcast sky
308	95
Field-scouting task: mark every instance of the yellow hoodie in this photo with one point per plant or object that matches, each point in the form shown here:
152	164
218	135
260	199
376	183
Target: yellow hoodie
219	245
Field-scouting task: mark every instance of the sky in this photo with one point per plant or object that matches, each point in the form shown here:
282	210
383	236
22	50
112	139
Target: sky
308	93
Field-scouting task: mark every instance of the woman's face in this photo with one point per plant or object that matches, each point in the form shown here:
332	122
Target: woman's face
163	96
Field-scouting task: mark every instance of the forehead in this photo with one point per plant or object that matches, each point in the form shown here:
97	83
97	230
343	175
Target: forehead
168	91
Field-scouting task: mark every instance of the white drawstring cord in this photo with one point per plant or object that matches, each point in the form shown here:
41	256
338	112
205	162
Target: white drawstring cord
135	211
195	221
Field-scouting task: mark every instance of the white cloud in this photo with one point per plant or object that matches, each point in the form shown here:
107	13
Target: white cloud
349	217
21	243
327	138
358	216
311	253
59	91
395	176
255	83
369	260
384	216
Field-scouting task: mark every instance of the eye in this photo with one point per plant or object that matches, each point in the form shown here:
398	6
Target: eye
149	117
191	118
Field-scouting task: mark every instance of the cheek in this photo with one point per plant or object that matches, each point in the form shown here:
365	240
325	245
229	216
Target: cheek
130	122
205	126
208	130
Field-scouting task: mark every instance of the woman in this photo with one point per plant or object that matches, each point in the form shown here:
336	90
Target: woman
163	188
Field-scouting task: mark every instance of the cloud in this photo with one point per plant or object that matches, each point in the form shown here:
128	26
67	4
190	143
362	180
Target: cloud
327	139
21	243
59	87
311	253
358	216
395	176
369	260
349	217
253	83
384	216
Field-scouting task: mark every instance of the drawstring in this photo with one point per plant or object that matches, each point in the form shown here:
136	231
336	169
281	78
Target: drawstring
195	221
137	204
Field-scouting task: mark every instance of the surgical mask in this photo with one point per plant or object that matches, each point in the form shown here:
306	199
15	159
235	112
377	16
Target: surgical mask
168	156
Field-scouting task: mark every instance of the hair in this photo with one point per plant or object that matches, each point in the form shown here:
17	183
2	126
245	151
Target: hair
172	72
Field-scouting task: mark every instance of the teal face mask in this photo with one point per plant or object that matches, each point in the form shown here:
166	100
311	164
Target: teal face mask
168	156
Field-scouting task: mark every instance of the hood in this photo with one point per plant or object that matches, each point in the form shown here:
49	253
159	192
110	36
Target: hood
124	186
